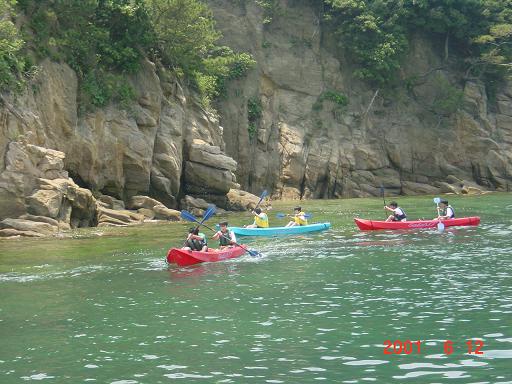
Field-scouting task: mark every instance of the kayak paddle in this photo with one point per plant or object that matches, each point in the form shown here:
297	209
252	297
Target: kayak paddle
210	211
190	217
383	199
263	195
282	215
440	224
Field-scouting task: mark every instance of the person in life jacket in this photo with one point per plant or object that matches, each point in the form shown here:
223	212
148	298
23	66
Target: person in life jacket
196	241
299	218
225	236
260	219
446	211
398	213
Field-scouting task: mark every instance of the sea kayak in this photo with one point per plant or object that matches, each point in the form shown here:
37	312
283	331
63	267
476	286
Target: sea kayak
372	225
184	258
272	231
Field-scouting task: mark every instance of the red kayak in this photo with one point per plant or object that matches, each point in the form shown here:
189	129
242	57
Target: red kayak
183	257
373	225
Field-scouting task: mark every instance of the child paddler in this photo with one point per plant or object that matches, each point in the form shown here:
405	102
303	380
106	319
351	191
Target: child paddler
196	241
299	218
260	219
398	213
225	236
446	211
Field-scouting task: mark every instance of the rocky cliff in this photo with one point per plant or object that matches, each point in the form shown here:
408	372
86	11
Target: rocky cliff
165	146
300	125
436	133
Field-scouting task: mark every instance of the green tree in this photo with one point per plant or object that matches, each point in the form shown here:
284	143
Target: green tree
372	33
12	64
185	31
495	44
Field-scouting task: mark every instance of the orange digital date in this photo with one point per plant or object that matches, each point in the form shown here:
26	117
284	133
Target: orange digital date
407	347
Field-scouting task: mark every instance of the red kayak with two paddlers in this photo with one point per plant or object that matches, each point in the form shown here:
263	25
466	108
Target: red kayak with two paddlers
373	225
185	257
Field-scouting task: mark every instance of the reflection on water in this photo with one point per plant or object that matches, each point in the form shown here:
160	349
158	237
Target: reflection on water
314	308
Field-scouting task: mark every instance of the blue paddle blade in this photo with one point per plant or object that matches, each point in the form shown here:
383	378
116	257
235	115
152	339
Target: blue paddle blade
254	253
440	226
437	200
210	211
263	194
188	216
281	215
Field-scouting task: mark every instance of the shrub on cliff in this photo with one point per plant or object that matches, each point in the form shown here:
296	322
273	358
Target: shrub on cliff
104	41
375	33
12	64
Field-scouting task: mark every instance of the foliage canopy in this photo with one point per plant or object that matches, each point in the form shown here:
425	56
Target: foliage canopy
104	40
374	33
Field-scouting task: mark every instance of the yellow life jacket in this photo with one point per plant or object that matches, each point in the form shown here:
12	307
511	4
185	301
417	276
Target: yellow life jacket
298	219
261	223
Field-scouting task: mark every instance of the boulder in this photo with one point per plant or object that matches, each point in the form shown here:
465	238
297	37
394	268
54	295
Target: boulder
118	216
137	202
164	213
189	202
468	190
203	153
446	188
45	202
111	202
42	219
290	193
200	178
111	222
411	188
11	232
147	213
238	200
28	225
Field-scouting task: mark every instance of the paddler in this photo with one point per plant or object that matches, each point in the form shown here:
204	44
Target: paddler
196	241
299	218
398	213
445	211
225	236
260	219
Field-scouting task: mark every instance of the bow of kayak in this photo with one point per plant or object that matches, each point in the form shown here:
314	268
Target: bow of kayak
184	257
373	225
273	231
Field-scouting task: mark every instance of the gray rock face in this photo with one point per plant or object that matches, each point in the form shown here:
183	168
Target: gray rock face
305	147
111	151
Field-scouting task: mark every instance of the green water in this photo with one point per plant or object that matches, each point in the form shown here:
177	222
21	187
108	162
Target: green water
103	306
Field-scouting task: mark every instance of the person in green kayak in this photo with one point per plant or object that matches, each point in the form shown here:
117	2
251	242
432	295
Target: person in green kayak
398	213
260	219
299	218
445	211
225	236
196	241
